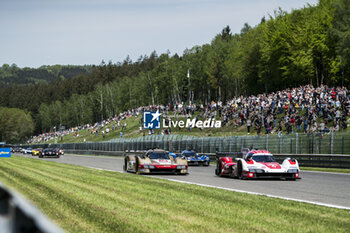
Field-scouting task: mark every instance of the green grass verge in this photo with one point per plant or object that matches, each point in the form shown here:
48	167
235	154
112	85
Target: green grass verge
88	200
320	169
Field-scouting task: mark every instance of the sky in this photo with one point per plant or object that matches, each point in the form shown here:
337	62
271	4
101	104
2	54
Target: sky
78	32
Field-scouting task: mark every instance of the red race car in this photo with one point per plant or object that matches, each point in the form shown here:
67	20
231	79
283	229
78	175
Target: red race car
257	164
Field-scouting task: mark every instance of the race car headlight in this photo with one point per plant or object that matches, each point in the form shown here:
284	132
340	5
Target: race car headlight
151	167
256	170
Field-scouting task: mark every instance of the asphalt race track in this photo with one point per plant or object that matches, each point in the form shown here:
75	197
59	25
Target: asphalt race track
317	187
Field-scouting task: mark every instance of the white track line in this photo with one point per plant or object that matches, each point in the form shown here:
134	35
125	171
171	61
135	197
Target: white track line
118	157
260	194
239	191
324	172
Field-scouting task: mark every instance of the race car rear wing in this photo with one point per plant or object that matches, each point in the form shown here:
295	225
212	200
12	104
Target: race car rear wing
234	155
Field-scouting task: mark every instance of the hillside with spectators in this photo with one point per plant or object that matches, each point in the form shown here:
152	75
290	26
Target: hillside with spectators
307	46
305	109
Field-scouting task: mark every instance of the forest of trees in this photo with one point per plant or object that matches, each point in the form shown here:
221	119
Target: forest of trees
15	125
12	74
307	46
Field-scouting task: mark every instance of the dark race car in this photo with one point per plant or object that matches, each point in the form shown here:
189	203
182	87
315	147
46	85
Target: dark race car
50	152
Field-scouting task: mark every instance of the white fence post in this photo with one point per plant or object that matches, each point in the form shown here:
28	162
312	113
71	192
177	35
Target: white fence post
296	143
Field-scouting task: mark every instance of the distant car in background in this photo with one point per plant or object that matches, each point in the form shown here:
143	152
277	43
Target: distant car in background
28	151
195	159
50	152
18	150
36	152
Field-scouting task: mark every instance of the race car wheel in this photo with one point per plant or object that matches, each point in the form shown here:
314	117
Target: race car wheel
216	171
217	168
137	165
240	170
231	172
125	164
206	163
220	169
41	156
292	178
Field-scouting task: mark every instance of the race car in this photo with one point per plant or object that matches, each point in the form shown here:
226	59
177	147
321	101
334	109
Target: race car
50	152
36	152
257	164
195	159
28	151
155	161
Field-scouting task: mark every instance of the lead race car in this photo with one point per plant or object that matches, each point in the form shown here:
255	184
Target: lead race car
257	164
155	161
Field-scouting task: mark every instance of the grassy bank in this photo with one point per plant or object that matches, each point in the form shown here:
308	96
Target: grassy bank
132	131
320	169
87	200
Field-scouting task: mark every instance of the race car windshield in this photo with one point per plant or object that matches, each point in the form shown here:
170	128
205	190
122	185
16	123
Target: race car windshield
263	158
159	156
190	154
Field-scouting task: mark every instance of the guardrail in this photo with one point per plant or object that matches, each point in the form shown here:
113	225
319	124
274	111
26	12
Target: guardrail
18	216
333	143
306	160
95	152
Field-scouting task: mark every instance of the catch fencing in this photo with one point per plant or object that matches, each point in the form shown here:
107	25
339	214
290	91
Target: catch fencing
331	143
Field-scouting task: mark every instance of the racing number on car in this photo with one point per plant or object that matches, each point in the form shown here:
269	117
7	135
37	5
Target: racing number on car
131	165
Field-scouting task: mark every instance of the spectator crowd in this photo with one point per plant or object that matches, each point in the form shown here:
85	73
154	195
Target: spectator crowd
305	109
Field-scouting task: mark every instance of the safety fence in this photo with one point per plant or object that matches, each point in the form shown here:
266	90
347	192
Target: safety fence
286	144
18	216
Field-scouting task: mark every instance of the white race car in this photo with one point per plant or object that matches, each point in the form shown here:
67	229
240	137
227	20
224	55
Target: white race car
155	161
257	164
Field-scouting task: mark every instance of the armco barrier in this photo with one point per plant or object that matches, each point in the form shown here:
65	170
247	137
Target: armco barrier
95	152
18	216
305	160
332	144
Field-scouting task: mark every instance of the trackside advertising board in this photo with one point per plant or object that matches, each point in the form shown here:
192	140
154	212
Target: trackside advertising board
5	152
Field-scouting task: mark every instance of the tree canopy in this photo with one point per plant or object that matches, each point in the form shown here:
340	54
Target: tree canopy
307	46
